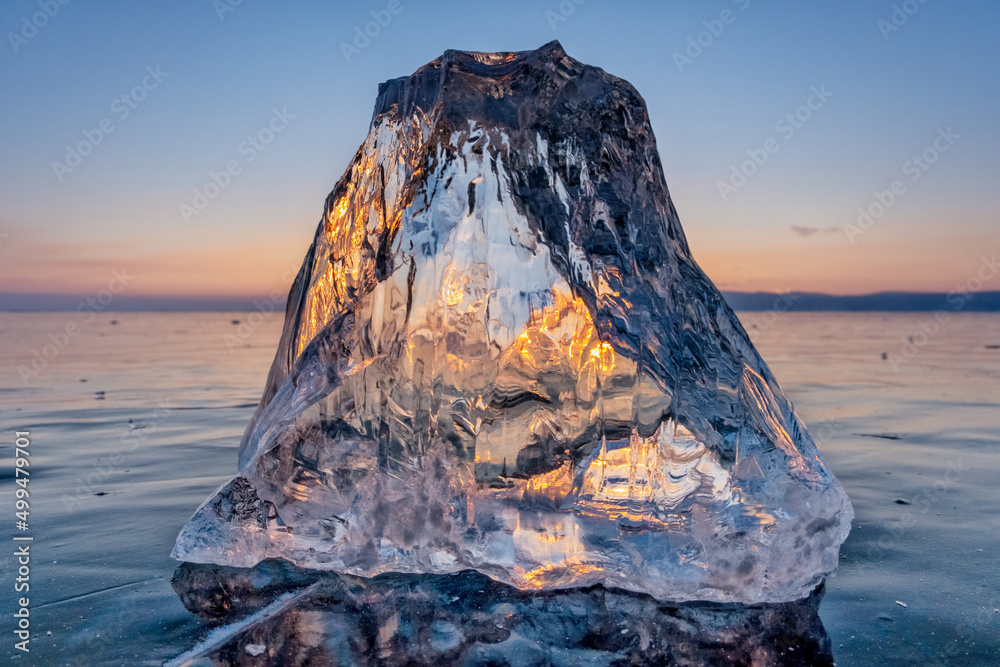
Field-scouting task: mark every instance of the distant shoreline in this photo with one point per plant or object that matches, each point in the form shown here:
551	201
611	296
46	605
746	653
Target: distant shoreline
892	302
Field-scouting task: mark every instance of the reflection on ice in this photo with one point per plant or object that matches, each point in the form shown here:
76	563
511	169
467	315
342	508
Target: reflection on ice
469	619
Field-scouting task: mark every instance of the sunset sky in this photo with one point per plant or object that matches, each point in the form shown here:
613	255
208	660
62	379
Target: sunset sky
197	81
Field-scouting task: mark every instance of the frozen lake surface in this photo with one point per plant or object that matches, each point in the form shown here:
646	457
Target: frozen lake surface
137	419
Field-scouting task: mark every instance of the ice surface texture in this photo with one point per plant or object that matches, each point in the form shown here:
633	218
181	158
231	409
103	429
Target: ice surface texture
500	355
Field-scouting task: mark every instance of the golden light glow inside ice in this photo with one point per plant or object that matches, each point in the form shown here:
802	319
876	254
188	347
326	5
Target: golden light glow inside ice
657	472
553	486
638	478
557	545
604	356
454	293
564	333
363	216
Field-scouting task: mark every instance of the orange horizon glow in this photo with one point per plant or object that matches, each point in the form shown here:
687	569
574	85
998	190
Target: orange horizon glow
742	262
257	272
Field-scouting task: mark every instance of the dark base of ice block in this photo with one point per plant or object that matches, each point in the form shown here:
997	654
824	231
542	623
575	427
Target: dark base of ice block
469	619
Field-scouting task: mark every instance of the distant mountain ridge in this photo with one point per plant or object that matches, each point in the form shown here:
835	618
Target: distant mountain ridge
877	302
121	303
978	302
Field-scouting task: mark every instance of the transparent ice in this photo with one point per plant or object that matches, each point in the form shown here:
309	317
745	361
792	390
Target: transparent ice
500	355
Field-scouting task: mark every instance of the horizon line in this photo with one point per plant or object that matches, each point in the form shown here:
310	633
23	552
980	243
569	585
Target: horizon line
793	301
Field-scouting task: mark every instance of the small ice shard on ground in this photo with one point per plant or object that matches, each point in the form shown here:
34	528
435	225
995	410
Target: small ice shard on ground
500	355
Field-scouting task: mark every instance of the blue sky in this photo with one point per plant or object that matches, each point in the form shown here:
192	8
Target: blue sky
889	94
